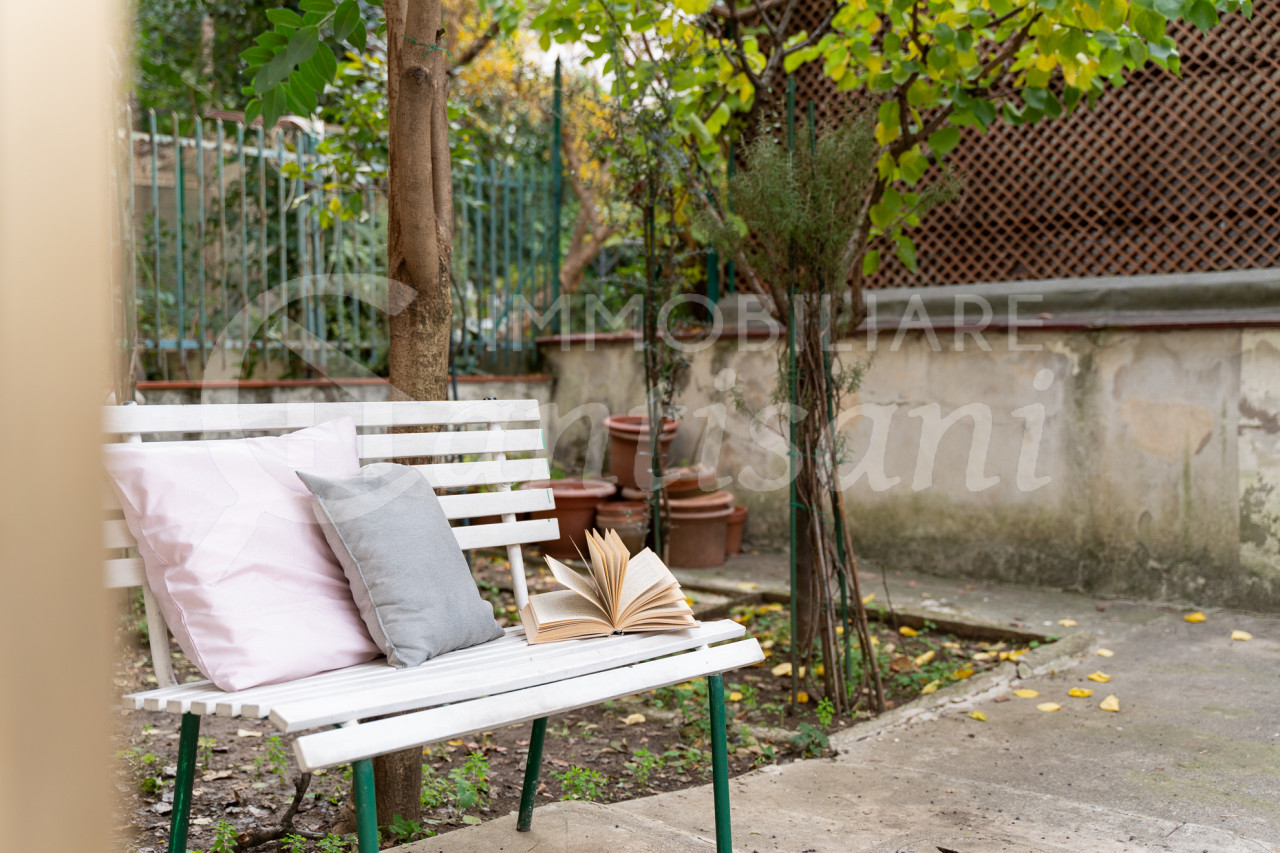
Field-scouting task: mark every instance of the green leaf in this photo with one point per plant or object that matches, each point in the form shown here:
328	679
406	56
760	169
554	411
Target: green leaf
984	111
913	165
889	115
273	107
329	62
359	37
1150	25
1171	9
1203	15
252	110
322	6
944	141
938	57
739	224
284	17
906	251
272	74
871	262
302	45
794	60
1042	100
272	40
346	19
257	56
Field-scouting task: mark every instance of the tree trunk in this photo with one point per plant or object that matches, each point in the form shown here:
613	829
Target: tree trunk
420	201
419	251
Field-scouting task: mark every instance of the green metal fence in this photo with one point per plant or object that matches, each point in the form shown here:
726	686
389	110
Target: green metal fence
213	224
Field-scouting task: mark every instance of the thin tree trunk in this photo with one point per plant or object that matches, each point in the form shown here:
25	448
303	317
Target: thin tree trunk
419	252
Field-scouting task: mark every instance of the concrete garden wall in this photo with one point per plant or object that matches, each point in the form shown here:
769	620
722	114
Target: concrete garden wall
1122	460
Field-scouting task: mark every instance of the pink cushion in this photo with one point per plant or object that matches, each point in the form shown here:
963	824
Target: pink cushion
238	564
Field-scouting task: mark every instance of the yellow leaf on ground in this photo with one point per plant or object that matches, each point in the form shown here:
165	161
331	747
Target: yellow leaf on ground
782	669
923	659
633	719
1100	677
1048	707
867	599
1067	623
931	687
1241	635
802	697
818	670
981	656
1194	617
1080	692
1105	653
767	644
455	743
979	716
769	608
1026	693
1111	703
839	629
747	587
735	696
962	674
1017	654
952	646
247	733
908	632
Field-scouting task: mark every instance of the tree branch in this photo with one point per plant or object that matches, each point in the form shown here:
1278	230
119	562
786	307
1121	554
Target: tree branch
474	49
258	837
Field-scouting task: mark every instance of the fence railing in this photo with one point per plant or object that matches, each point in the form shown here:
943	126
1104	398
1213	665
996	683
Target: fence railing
215	228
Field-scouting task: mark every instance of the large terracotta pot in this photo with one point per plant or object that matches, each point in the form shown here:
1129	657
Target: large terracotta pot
575	510
629	518
629	447
737	523
699	530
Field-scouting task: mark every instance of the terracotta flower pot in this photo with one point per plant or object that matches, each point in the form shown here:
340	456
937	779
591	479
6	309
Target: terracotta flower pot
629	453
629	518
575	510
699	530
737	523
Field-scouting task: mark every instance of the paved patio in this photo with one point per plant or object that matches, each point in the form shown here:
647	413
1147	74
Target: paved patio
1190	763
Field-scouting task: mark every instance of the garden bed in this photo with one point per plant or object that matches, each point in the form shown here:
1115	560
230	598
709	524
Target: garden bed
620	750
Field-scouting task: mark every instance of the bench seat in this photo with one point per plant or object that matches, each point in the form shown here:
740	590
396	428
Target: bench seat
505	664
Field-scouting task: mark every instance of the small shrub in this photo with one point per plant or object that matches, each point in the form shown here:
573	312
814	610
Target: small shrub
581	783
644	765
811	740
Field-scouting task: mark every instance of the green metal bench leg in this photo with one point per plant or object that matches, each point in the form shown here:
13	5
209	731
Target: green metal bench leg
719	764
366	806
525	821
181	820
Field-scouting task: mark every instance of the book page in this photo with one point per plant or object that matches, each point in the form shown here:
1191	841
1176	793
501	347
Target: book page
565	606
644	572
584	587
598	572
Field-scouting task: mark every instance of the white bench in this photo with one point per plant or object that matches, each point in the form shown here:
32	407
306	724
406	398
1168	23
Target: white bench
499	683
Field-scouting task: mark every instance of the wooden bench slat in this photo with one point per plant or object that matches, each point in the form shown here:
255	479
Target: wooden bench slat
232	417
337	746
529	668
454	475
116	535
455	443
506	533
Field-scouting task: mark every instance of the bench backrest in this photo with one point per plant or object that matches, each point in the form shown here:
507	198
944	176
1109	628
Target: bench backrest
470	469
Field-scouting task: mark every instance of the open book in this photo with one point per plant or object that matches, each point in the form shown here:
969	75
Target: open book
621	593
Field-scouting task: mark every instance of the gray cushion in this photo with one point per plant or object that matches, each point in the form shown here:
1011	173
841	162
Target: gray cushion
407	574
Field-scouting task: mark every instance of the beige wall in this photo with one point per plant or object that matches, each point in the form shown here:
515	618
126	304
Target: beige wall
55	263
1118	461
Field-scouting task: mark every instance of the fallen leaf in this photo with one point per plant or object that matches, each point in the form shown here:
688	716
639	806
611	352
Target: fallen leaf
867	599
1017	654
1026	693
1194	617
1067	623
636	719
962	674
802	697
769	608
214	775
767	644
559	762
1111	703
1100	677
1048	707
931	687
1241	635
818	670
839	629
979	716
923	659
782	669
908	632
981	656
247	733
747	587
470	820
735	696
1105	653
1080	692
455	743
202	821
952	646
